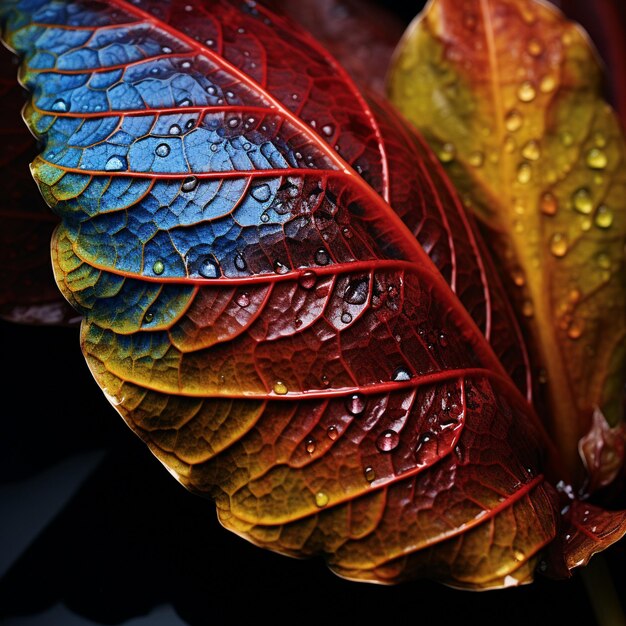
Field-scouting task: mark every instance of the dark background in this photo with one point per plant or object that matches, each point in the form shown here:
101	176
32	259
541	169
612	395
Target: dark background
93	530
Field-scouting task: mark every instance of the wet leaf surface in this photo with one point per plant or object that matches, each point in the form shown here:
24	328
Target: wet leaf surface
509	95
256	310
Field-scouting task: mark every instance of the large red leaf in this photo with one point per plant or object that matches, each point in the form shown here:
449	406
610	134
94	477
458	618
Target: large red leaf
258	313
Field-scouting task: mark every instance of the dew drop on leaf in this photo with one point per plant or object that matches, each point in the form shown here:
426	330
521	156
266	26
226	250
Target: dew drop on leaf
308	279
401	374
604	217
357	292
559	245
240	262
547	84
549	204
531	150
321	257
575	329
355	404
513	121
524	173
328	129
370	474
189	184
158	268
261	193
243	300
310	446
115	164
321	499
60	105
149	317
583	203
346	318
597	159
162	150
332	433
388	441
280	388
446	153
280	268
209	268
174	129
526	92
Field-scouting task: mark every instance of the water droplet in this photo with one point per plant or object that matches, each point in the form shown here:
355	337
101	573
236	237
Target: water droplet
210	42
211	90
447	153
166	50
189	184
585	224
148	317
233	122
599	139
189	124
575	329
328	129
567	139
347	233
280	268
243	300
209	268
355	404
185	65
604	217
321	257
310	446
549	204
370	474
175	129
60	105
115	164
583	201
321	499
547	84
597	159
526	92
265	217
524	173
388	441
346	318
307	280
261	193
162	150
332	433
240	262
509	145
513	120
559	245
535	48
280	388
158	268
519	279
357	292
528	309
476	159
531	150
401	374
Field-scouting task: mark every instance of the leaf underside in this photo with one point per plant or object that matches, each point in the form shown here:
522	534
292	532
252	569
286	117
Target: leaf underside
335	373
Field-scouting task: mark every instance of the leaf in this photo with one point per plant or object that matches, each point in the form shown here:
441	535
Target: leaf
257	312
508	93
27	290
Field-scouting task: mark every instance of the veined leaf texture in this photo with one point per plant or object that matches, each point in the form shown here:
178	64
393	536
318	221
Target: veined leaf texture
280	292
